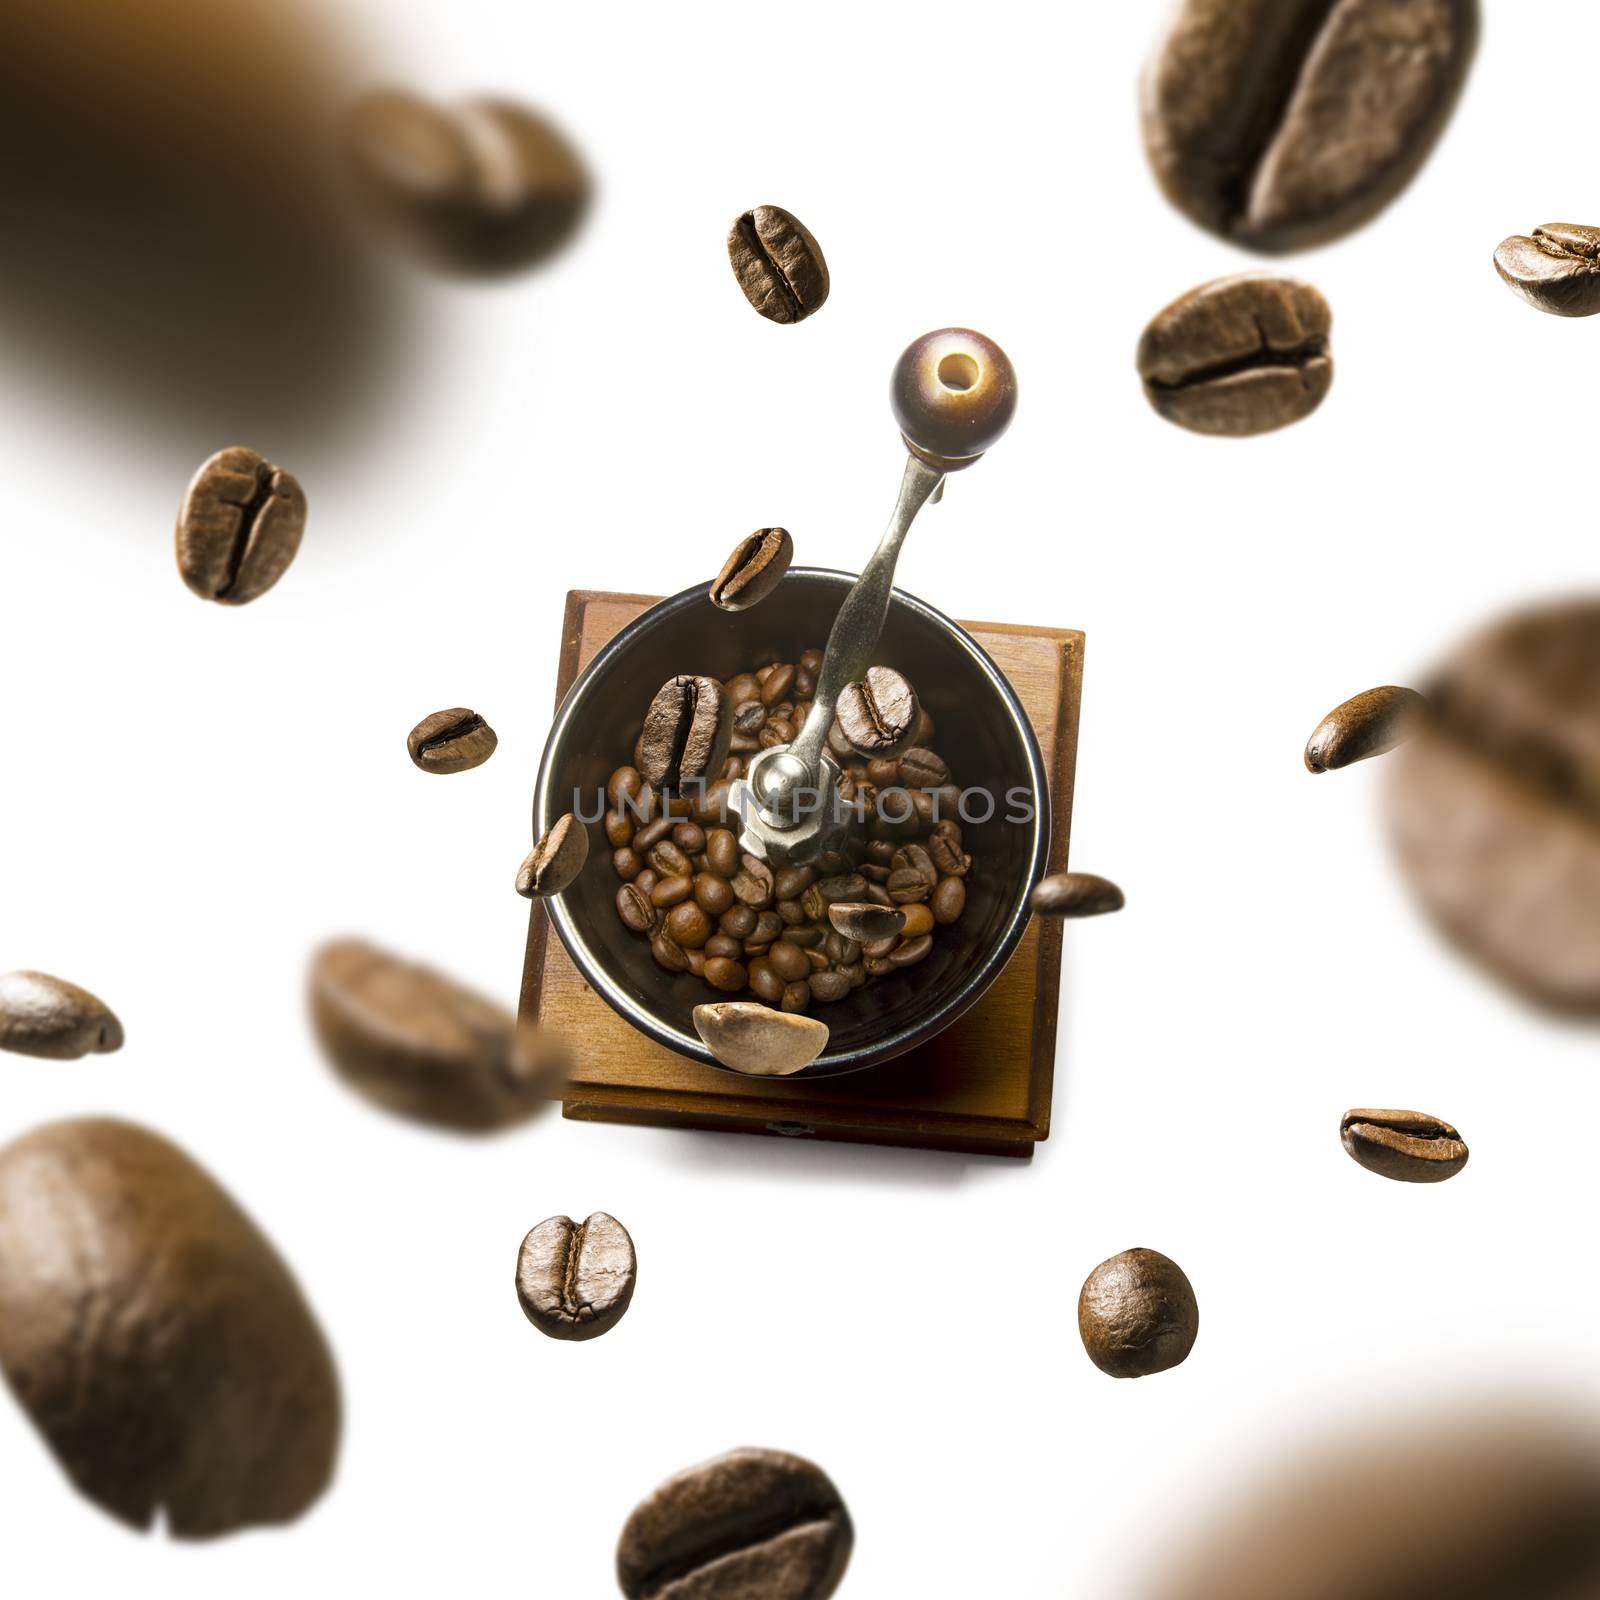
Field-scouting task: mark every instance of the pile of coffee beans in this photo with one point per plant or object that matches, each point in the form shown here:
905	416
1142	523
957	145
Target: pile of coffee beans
711	909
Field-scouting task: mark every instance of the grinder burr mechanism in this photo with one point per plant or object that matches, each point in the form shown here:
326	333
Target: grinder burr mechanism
953	394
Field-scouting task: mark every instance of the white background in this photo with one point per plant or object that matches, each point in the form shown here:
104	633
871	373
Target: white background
193	797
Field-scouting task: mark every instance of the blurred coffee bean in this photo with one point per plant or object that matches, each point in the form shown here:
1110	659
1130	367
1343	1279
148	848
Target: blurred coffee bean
1367	724
1494	804
419	1044
755	1039
1137	1314
555	862
753	1523
778	264
177	240
451	741
1407	1146
45	1016
753	571
686	732
239	527
155	1337
483	188
879	714
1239	356
1557	269
1454	1497
575	1280
1075	894
865	923
1280	124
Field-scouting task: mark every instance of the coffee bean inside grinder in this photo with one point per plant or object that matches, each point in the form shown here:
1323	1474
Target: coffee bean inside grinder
749	927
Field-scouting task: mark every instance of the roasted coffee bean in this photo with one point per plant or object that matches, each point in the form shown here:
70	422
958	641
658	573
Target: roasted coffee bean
451	741
754	570
1450	1497
695	961
1366	725
480	189
811	661
756	1039
743	688
1407	1146
877	895
766	983
1495	802
907	886
834	946
1137	1314
575	1280
688	926
686	732
155	1337
922	769
626	783
877	966
812	907
842	889
722	852
627	864
636	909
911	951
721	973
918	920
779	730
1281	124
769	926
1075	894
239	527
419	1044
651	834
555	862
879	714
1239	356
775	686
807	936
669	861
827	987
719	944
789	883
882	949
668	892
669	955
749	718
796	995
618	829
948	856
948	901
45	1016
794	912
753	882
713	894
1556	270
689	837
788	960
738	922
753	1523
778	264
646	882
819	962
